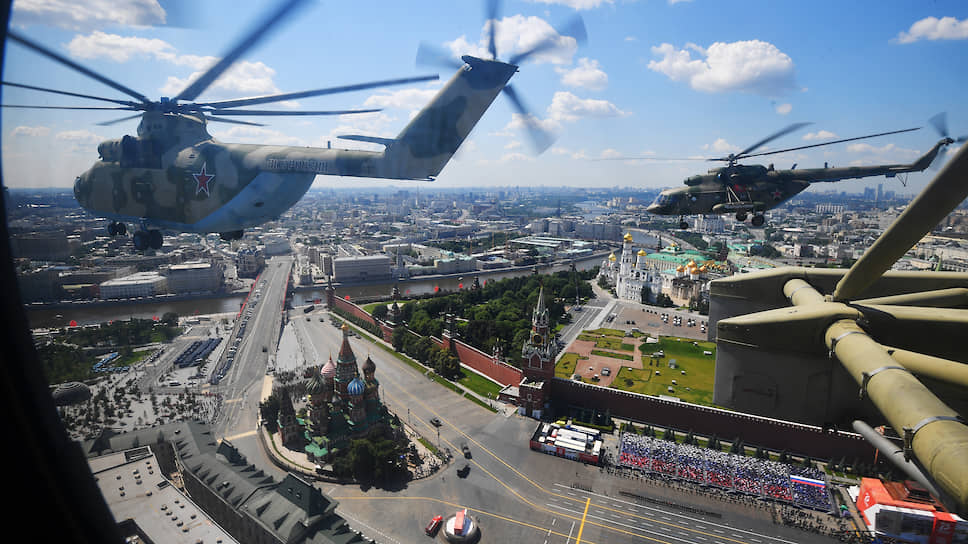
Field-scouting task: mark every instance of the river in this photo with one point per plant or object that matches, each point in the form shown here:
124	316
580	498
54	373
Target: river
86	314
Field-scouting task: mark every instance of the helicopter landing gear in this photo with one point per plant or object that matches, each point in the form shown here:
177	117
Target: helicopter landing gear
683	224
231	235
741	216
758	220
144	239
116	228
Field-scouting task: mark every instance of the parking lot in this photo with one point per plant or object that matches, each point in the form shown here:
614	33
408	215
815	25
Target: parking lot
659	321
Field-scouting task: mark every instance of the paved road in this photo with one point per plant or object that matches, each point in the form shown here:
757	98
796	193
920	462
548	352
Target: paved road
518	495
241	386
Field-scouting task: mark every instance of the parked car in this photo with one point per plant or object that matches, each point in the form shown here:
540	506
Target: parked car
466	450
436	422
434	525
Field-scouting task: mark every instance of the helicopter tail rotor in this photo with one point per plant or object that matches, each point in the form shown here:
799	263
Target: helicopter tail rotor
541	138
940	124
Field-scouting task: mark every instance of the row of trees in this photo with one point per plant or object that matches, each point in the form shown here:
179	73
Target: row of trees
499	314
423	349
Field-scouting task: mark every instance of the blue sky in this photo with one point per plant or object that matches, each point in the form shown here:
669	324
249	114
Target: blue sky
693	78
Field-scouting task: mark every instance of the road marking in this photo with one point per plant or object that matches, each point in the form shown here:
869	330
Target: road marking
240	435
692	519
569	532
581	527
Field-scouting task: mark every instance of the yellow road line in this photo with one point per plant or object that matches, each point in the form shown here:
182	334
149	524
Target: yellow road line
584	515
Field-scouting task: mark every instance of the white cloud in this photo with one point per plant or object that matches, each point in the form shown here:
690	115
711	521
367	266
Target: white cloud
610	153
887	152
819	135
408	99
587	74
751	66
30	131
674	2
577	155
244	77
79	141
516	34
515	157
631	39
721	146
257	135
932	28
89	14
784	109
568	107
576	4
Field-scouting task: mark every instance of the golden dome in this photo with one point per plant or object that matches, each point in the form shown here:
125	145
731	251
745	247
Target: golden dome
702	268
627	237
680	268
642	253
691	264
612	257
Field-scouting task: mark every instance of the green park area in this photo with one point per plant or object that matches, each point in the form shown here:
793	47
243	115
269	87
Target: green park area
567	364
694	371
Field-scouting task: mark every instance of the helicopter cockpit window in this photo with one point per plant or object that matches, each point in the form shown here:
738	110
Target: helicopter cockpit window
139	153
666	199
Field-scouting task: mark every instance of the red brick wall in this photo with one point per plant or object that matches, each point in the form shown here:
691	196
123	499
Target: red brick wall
502	373
753	430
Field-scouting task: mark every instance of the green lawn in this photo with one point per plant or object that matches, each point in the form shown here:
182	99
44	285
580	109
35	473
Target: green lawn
622	356
608	332
479	384
566	365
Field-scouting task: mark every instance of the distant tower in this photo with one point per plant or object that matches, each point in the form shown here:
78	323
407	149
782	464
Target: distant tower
537	362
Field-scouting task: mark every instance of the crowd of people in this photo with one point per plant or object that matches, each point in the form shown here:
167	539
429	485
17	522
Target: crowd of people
750	475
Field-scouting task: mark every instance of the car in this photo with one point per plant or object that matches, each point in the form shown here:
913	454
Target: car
466	450
436	422
434	525
464	470
606	371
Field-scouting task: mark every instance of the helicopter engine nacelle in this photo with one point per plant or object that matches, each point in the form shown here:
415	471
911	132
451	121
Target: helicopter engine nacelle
110	150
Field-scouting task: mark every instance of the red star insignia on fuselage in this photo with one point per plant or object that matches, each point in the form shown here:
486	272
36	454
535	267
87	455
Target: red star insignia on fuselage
202	178
777	194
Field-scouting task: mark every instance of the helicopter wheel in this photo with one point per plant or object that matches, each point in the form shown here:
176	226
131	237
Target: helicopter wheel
155	239
741	216
140	240
758	220
112	229
121	229
683	225
232	235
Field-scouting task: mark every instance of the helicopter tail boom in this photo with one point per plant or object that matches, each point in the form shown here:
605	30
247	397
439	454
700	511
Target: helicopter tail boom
429	141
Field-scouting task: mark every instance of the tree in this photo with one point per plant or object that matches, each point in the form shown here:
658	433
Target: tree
380	312
170	319
646	295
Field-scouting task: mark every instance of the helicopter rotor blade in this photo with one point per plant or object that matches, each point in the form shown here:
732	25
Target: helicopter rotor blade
283	113
764	141
233	121
247	42
67	93
540	138
432	55
940	124
222	104
652	159
116	121
491	13
834	142
575	28
15	36
66	107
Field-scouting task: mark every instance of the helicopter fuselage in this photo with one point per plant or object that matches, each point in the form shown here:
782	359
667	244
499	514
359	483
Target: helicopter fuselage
741	189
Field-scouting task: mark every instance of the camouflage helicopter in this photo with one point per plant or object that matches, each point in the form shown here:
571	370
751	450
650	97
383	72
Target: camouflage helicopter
744	189
174	176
